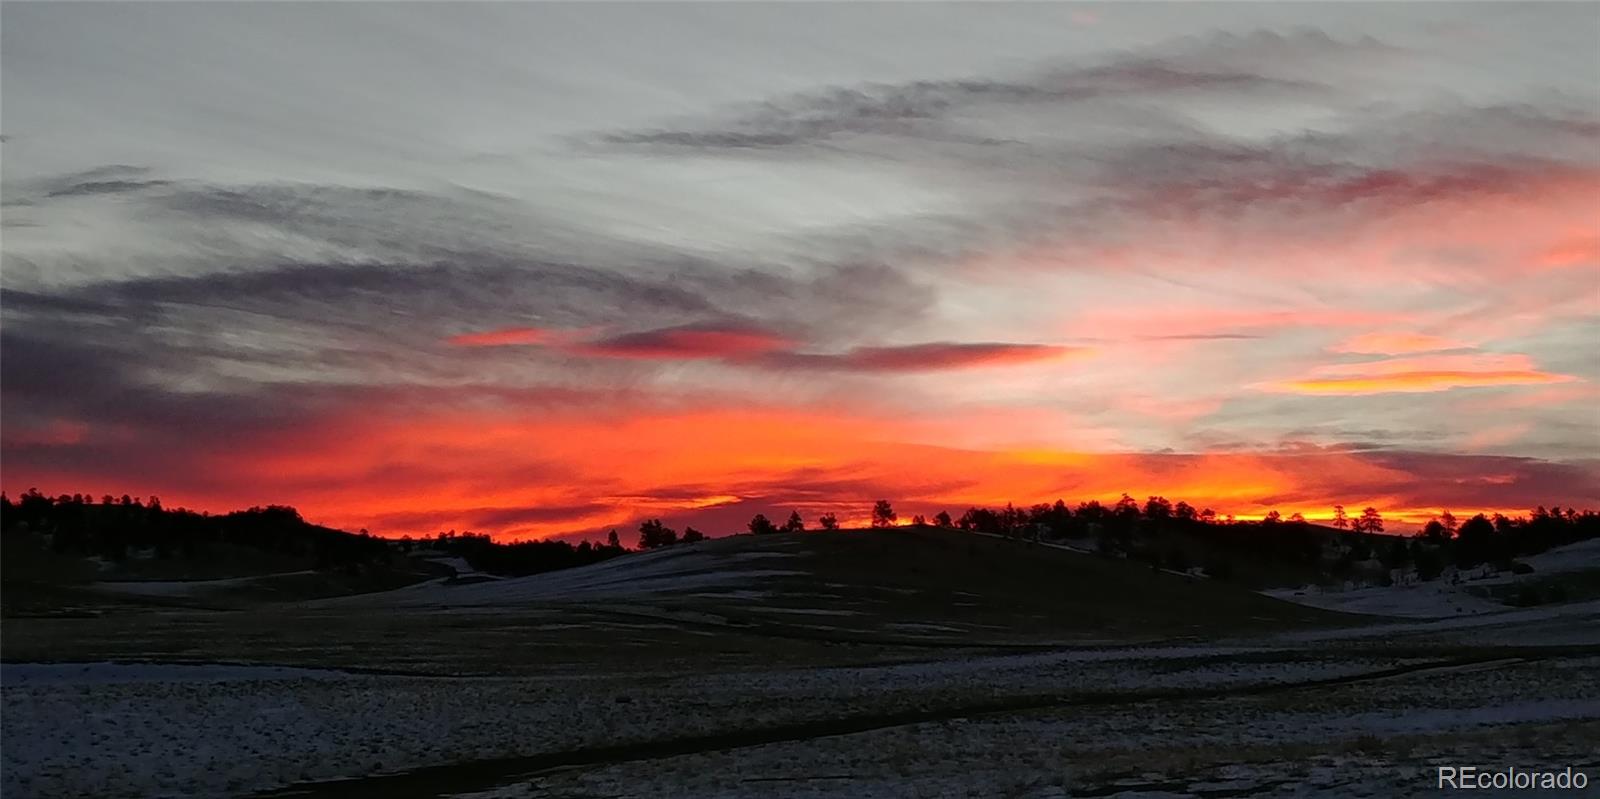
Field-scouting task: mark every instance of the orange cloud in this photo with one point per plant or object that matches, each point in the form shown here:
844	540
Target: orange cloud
583	467
1421	374
1576	251
503	337
1396	343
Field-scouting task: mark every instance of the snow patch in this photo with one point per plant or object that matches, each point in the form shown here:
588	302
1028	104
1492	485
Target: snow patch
185	587
668	571
808	611
102	673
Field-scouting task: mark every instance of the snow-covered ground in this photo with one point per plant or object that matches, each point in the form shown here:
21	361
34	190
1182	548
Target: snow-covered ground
1442	597
1430	600
1572	617
186	587
144	729
35	674
1378	740
140	730
125	730
676	570
1573	557
1090	720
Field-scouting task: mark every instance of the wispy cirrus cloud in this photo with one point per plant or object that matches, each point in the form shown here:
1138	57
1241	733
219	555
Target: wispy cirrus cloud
747	344
932	356
1222	65
1421	374
1396	343
687	342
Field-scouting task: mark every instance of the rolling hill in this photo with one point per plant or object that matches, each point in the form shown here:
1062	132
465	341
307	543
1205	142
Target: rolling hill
912	584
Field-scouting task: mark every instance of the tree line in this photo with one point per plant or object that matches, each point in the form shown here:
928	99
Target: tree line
113	526
516	559
117	528
1133	529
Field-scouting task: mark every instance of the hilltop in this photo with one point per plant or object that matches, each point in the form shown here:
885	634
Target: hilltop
912	584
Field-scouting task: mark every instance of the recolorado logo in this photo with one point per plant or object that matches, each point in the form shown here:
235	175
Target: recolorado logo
1478	778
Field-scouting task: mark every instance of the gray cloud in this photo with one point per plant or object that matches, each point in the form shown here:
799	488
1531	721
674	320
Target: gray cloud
1221	65
254	341
107	187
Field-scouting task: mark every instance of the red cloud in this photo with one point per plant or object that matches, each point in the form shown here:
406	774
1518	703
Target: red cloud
508	336
759	347
687	342
56	432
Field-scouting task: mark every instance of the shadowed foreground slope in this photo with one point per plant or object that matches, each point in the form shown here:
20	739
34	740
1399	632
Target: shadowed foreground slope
917	585
803	598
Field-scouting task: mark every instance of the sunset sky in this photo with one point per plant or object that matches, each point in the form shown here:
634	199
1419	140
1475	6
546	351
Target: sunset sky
544	270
